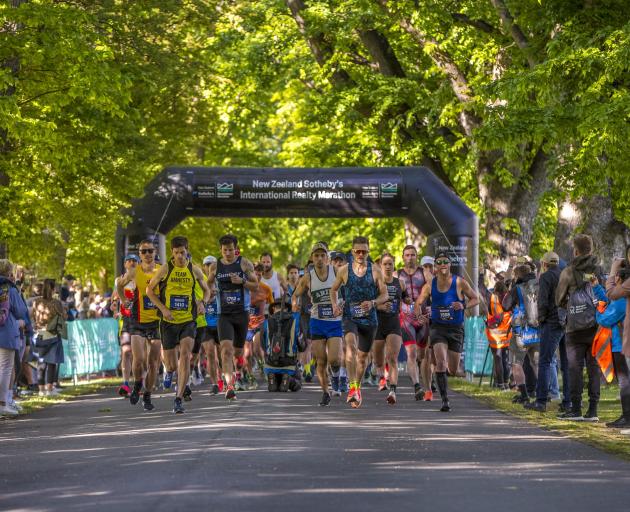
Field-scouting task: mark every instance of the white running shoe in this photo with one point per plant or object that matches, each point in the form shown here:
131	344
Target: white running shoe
8	411
52	392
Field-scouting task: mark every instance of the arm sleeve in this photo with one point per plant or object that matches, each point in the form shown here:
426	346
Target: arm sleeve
614	313
600	293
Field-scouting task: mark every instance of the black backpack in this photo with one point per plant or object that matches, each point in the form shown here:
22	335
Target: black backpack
281	347
581	306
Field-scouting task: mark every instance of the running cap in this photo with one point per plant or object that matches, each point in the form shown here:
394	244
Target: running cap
132	257
551	257
442	254
319	246
427	260
334	255
209	260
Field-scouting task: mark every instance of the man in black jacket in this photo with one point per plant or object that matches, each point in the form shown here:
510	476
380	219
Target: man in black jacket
550	328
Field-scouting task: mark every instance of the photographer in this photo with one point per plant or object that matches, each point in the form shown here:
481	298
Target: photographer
617	290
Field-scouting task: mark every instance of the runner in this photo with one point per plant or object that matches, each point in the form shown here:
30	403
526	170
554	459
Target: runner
364	292
448	293
426	359
179	307
123	313
325	327
260	300
339	386
211	342
305	358
144	325
414	333
388	335
235	278
271	278
203	337
293	277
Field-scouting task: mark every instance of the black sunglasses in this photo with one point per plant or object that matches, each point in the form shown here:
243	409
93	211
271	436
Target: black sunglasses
147	251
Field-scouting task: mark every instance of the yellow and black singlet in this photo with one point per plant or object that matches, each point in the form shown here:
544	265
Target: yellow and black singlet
177	293
142	309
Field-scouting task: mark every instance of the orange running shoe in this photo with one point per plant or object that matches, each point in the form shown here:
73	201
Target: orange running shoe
382	384
351	394
428	396
356	399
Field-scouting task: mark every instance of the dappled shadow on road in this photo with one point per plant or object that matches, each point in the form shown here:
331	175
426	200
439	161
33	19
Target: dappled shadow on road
270	447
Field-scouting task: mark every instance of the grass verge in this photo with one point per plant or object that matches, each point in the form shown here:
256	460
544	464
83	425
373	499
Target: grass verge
595	434
69	391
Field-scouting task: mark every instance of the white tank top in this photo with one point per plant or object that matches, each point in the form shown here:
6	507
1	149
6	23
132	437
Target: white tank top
320	296
274	283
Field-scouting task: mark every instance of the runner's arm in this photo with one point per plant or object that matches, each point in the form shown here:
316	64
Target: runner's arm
425	293
251	283
302	286
383	296
469	293
340	280
201	279
212	274
123	281
283	283
150	291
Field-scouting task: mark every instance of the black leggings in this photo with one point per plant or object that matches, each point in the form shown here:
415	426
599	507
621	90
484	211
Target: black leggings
46	373
501	365
623	377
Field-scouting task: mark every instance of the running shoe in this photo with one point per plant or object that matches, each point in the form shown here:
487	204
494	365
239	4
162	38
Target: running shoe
272	383
16	405
239	385
308	377
343	384
215	389
187	393
418	392
146	402
334	384
446	406
382	384
178	408
134	397
351	394
428	396
325	401
284	383
52	392
7	410
230	394
168	380
252	383
357	399
571	416
391	398
221	385
124	390
197	377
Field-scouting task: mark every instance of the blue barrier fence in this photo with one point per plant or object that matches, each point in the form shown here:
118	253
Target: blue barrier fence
476	347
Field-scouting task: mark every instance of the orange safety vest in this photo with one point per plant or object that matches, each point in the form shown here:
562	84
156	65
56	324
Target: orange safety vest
500	336
602	348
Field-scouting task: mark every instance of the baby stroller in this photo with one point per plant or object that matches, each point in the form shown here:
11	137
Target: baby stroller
281	345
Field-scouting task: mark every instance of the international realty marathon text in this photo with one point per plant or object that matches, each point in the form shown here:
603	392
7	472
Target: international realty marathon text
302	189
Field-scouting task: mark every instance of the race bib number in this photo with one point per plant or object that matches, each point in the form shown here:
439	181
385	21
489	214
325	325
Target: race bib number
147	304
357	311
233	298
179	303
395	306
325	311
445	313
211	309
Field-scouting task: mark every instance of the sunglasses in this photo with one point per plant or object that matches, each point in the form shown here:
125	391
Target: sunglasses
360	251
442	262
147	251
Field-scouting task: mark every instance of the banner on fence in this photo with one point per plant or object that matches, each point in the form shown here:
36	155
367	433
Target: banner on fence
476	347
92	346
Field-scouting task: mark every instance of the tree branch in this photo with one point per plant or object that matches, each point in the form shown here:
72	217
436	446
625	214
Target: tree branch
382	53
482	25
514	29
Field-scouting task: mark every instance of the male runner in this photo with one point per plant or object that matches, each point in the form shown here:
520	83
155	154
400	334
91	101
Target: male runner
177	281
388	335
260	300
339	386
211	342
144	326
426	359
414	333
235	279
123	313
365	290
271	278
325	327
448	293
293	277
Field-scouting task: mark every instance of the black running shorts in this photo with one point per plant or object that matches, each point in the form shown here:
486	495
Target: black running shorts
148	330
387	324
364	333
233	326
172	334
452	335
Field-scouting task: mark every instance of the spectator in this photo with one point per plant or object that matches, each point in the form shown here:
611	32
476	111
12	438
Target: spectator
616	291
499	334
12	319
550	328
49	319
572	280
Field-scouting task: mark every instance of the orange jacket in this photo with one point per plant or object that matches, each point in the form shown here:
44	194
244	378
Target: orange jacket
602	348
499	336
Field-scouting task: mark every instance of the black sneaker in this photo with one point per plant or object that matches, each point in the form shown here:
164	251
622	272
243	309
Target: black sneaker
146	402
178	408
134	397
272	383
284	383
446	406
325	401
536	406
591	416
520	399
215	389
619	423
572	416
418	392
562	407
187	393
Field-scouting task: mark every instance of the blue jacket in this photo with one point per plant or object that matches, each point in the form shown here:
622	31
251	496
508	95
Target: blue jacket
10	331
613	317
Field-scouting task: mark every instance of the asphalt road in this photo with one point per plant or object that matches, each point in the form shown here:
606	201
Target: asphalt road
277	452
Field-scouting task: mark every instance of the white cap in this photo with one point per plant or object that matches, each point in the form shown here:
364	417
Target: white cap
427	260
209	260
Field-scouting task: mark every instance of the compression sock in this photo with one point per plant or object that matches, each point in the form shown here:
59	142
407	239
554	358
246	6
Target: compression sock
137	385
442	383
392	387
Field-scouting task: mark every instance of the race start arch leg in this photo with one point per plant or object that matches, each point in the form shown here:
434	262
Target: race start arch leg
411	192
